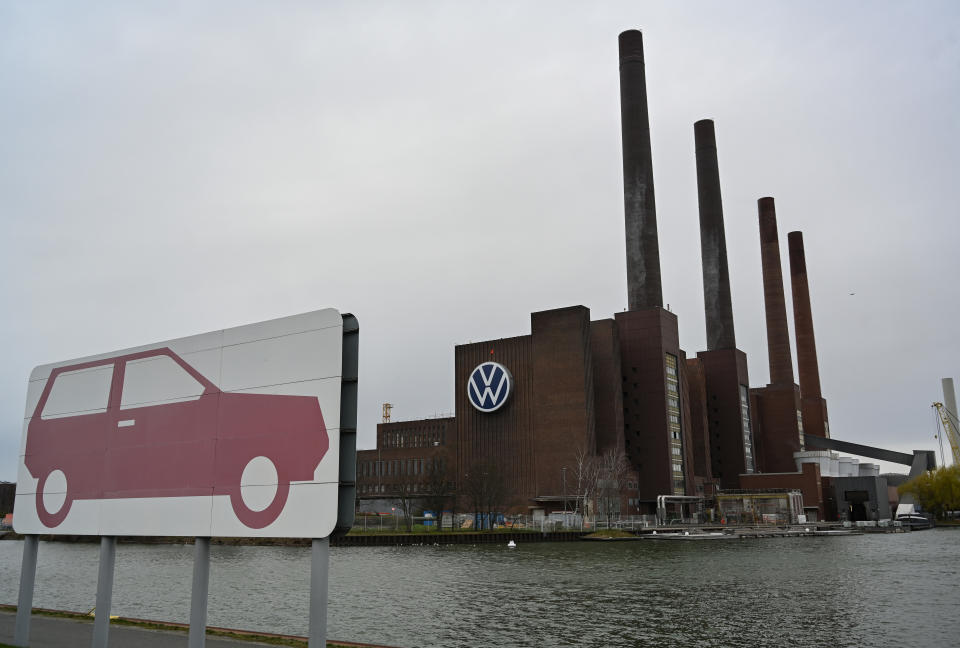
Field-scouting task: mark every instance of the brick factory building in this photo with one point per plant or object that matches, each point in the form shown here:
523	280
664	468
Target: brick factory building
535	405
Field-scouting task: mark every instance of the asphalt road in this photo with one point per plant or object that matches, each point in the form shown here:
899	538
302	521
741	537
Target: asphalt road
52	632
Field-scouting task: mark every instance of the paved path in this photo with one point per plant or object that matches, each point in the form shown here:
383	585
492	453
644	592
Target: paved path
52	632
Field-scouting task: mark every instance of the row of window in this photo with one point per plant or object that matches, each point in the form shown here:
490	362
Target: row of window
397	467
673	423
384	489
414	438
747	433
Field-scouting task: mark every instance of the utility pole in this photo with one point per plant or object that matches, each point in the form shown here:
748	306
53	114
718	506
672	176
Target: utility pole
563	481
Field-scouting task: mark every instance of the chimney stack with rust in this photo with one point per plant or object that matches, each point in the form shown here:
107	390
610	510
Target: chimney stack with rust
643	253
814	407
713	242
778	336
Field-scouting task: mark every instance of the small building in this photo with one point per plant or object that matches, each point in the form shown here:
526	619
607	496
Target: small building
765	506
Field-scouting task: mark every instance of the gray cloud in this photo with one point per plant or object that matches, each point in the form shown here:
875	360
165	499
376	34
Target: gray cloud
442	170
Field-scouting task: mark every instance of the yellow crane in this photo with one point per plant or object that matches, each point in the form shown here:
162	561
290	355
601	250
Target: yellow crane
949	421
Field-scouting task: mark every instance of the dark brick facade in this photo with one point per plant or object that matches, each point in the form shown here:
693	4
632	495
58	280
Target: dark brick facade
699	426
507	435
607	389
777	426
563	396
404	451
725	371
646	337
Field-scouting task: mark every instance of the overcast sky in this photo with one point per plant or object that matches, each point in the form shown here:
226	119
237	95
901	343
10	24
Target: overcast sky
443	169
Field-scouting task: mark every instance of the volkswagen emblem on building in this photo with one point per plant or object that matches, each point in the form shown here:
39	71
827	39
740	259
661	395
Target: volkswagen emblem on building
489	386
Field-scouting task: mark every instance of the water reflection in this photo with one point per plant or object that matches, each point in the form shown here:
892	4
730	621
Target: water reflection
853	591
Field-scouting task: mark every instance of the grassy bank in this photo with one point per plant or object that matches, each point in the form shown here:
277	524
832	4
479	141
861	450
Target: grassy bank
609	534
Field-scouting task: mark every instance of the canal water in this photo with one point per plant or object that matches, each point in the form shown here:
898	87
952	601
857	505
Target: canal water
872	590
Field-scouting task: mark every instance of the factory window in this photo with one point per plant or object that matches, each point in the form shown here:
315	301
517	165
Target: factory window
800	429
746	429
673	418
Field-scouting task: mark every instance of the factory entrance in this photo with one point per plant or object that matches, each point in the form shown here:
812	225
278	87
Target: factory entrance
857	505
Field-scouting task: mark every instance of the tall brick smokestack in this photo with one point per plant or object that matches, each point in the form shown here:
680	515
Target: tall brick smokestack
815	419
713	241
807	368
778	337
643	253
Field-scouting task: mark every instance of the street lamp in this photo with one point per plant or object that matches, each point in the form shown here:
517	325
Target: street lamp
563	480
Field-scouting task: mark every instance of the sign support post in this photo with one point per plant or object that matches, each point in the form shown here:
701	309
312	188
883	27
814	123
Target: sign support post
28	576
319	579
101	621
198	597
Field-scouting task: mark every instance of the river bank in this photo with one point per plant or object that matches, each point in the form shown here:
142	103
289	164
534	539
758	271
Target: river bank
381	539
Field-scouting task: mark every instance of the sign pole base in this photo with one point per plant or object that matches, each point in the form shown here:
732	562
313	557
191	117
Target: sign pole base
28	576
319	579
198	598
101	621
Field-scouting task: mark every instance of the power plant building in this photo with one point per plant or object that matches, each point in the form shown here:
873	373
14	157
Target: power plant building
535	405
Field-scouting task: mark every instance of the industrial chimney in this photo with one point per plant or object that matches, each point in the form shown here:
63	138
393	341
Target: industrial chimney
778	337
814	407
713	242
643	254
807	368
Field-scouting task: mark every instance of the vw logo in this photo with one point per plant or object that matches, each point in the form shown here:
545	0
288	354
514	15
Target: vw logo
489	386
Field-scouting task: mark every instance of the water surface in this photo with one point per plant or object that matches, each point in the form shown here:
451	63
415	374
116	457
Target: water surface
877	590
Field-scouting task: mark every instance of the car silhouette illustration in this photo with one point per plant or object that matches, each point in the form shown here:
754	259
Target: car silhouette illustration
148	425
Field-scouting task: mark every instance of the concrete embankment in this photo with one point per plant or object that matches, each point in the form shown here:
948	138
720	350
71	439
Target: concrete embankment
58	628
350	540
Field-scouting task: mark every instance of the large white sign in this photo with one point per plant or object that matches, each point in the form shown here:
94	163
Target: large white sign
229	433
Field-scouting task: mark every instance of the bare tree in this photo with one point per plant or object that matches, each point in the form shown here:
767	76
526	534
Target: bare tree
611	475
438	489
586	465
404	492
485	491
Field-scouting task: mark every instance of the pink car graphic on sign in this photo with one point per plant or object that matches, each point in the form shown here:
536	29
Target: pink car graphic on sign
196	445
